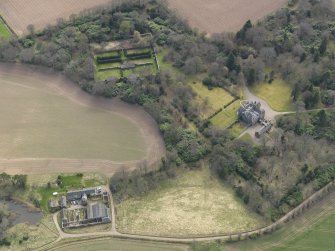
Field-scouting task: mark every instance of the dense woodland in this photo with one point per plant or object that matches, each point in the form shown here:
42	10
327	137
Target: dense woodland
296	44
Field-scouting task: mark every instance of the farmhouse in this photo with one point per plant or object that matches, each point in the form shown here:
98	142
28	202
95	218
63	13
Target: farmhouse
86	192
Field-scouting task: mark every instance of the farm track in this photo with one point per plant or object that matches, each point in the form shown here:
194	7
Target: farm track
64	87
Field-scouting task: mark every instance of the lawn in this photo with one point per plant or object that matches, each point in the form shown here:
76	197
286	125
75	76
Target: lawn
37	122
103	75
227	116
4	31
314	230
111	244
196	203
216	98
277	94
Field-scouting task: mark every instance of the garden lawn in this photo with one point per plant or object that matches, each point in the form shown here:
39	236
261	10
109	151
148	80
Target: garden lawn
227	116
277	94
196	203
217	98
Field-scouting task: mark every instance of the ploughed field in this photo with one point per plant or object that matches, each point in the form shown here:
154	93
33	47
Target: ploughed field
43	116
215	16
19	14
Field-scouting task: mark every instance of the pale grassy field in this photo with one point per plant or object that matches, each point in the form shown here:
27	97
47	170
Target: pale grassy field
216	98
38	122
196	203
277	94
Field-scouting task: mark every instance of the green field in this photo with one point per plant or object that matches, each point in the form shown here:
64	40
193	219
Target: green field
111	244
196	203
277	94
4	31
227	116
216	98
37	122
314	230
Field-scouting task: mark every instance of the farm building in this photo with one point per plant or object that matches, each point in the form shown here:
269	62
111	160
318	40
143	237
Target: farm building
266	127
95	213
98	211
251	113
78	195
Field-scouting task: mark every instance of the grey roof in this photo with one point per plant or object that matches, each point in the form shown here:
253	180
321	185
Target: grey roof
76	195
98	210
250	113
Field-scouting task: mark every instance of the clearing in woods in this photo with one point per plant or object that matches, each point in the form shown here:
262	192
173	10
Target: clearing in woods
19	14
277	94
46	116
216	16
216	98
194	204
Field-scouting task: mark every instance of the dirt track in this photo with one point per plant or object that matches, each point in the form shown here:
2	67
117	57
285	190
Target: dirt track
20	13
214	16
64	87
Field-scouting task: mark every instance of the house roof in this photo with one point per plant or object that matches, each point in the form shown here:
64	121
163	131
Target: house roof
76	195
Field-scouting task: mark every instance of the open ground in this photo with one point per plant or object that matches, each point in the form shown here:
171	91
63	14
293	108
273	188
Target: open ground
216	16
19	14
181	208
314	230
56	117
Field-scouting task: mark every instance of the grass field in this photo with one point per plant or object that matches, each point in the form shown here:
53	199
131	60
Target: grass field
118	245
196	203
4	32
37	122
314	230
216	98
277	94
227	116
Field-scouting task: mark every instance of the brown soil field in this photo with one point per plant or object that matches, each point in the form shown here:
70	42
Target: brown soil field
20	13
214	16
62	86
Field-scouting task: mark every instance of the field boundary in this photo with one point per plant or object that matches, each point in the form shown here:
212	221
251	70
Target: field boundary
7	26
